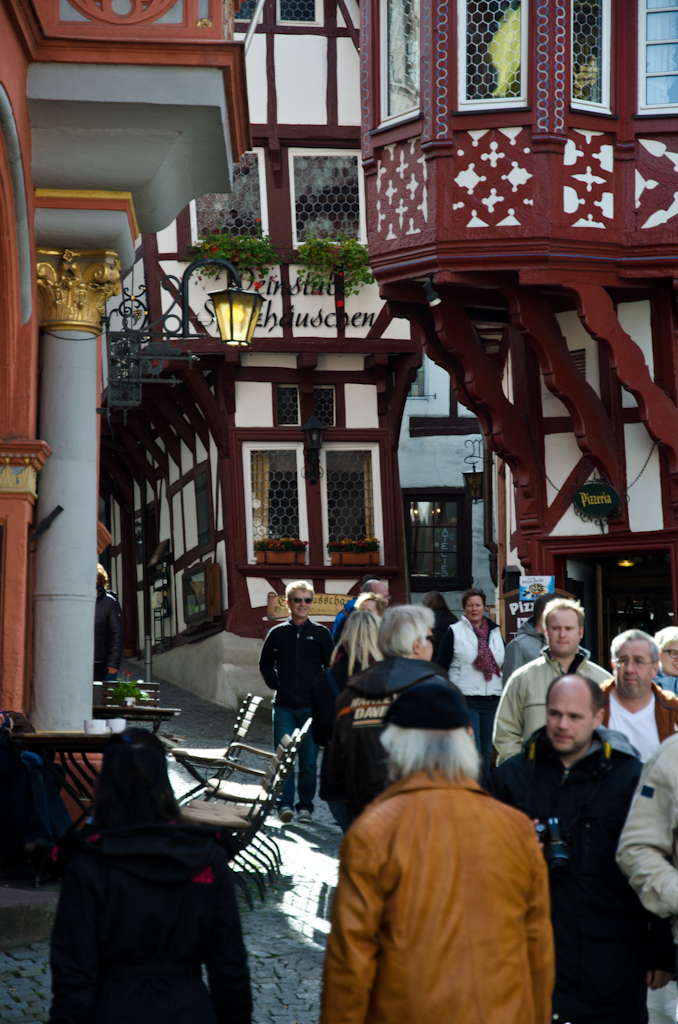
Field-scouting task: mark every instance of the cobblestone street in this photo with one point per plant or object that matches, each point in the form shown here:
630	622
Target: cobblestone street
285	936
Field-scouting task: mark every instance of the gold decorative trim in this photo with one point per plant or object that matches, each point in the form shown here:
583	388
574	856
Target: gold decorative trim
18	481
74	286
21	461
90	193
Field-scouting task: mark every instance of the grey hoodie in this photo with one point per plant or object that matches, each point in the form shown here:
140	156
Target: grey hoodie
526	647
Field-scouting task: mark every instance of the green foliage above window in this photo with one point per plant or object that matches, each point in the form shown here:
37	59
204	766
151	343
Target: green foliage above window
251	255
346	258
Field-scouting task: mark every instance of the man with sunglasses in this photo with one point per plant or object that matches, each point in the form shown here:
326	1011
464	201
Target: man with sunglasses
634	704
293	655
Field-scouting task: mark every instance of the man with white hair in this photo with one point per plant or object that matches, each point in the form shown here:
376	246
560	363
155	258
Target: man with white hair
357	763
429	924
634	704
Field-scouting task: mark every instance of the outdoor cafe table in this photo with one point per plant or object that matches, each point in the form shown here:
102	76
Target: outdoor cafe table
80	774
139	713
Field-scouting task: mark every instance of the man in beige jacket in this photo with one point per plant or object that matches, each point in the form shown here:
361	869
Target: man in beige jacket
522	708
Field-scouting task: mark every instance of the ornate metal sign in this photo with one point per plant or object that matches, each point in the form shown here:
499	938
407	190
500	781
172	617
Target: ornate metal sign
595	502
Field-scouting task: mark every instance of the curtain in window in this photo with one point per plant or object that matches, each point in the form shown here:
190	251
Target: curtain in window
275	493
350	495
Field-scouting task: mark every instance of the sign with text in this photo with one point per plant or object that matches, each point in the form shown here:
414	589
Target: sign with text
595	499
534	586
323	604
516	610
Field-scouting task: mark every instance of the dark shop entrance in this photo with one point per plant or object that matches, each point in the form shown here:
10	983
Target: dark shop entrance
626	590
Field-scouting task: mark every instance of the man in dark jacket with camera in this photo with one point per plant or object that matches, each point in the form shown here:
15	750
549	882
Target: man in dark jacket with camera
576	781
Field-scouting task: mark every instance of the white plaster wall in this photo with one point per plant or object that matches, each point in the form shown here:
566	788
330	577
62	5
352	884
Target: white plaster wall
220	557
301	79
398	329
222	668
167	238
186	456
178	517
253	403
340	586
368	304
257	86
361	406
313	315
287	360
578	337
174	473
561	455
258	590
216	490
200	450
164	525
190	516
181	625
348	82
645	496
340	361
635	319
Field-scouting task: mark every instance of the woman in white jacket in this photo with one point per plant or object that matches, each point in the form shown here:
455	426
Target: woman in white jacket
472	652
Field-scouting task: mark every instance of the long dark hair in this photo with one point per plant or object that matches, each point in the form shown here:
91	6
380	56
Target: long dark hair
133	787
435	601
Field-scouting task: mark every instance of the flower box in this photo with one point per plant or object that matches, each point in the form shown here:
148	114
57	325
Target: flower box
355	557
281	557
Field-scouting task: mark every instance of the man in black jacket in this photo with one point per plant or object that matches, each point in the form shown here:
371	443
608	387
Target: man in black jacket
294	653
357	760
576	780
107	631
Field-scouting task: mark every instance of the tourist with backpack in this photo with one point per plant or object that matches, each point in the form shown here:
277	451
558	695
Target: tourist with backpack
355	652
357	760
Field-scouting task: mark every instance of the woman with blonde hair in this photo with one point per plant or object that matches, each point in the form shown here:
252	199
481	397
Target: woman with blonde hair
667	641
357	649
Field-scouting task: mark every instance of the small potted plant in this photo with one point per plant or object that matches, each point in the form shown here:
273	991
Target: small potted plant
354	552
281	550
127	692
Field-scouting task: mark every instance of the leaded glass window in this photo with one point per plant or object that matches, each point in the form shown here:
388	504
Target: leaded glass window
246	10
275	493
492	45
326	196
288	405
237	212
296	10
659	37
590	52
350	494
323	405
433	538
402	56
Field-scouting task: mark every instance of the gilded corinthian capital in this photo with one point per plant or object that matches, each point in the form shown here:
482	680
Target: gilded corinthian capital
74	287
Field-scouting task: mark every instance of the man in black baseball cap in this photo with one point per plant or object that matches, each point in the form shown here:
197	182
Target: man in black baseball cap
424	903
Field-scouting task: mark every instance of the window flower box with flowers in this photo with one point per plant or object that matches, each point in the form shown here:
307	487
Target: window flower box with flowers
281	551
342	261
354	552
251	255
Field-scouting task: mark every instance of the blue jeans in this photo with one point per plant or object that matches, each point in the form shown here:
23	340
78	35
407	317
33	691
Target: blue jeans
481	711
286	720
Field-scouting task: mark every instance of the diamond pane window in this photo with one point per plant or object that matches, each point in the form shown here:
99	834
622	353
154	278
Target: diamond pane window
237	212
350	497
275	493
296	10
493	31
433	538
288	405
323	405
326	196
659	40
591	53
402	56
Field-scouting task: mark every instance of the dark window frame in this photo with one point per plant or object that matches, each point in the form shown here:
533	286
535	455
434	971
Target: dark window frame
464	578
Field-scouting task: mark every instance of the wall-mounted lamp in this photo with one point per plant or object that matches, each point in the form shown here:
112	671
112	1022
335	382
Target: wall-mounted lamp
313	432
626	563
474	479
430	292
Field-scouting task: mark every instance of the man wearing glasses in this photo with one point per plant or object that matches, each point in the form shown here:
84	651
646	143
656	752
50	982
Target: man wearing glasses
294	653
635	705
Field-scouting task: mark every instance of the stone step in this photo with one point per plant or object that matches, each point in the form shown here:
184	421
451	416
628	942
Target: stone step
26	915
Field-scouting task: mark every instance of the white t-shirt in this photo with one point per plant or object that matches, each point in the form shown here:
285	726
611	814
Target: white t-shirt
640	728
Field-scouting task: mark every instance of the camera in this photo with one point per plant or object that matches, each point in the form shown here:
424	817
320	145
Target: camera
555	847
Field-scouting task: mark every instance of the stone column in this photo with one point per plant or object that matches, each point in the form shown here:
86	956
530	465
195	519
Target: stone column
73	288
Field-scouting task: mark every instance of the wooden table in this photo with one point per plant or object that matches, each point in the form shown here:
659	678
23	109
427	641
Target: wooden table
138	713
80	775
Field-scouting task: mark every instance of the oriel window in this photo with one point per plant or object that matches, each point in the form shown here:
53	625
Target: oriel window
492	53
401	55
658	54
591	54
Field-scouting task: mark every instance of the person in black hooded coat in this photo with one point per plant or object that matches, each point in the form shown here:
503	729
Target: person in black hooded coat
143	905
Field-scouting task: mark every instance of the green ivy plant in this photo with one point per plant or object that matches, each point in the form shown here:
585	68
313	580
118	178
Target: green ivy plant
251	255
323	258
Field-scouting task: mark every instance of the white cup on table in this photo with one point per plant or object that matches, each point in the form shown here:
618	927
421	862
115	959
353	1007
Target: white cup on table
116	724
95	726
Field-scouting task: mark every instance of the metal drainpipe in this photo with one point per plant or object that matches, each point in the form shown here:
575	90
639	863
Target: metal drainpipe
488	531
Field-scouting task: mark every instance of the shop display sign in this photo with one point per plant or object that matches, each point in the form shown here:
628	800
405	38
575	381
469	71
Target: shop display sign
532	587
323	604
595	499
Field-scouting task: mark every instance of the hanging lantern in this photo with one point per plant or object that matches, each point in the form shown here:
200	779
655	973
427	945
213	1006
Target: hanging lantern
474	485
237	314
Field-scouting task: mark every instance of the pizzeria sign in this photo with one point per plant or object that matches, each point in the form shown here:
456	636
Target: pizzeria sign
595	499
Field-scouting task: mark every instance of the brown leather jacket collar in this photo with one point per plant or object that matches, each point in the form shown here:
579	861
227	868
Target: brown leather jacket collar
422	780
665	709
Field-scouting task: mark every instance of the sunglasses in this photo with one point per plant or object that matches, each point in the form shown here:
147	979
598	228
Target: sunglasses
303	600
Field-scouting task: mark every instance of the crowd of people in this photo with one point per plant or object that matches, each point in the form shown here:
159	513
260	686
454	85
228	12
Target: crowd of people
510	817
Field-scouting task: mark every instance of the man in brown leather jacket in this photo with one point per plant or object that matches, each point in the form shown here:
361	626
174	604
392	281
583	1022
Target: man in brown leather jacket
429	924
